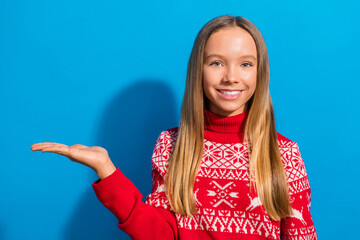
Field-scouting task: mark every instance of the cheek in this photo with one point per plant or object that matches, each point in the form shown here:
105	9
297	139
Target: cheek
248	75
249	78
206	87
209	77
209	81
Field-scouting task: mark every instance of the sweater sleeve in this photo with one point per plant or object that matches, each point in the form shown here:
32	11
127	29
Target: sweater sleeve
300	225
151	220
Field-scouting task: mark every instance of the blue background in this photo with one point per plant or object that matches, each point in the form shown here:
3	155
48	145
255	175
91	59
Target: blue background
112	73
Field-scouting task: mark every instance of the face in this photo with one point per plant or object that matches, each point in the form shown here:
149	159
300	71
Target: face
230	68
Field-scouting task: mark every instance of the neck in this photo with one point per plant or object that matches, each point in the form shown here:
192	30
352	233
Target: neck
224	129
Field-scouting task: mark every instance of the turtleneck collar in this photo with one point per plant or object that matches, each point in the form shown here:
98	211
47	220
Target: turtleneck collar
224	129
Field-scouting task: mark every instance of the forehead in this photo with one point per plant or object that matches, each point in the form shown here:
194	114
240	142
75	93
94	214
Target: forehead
231	41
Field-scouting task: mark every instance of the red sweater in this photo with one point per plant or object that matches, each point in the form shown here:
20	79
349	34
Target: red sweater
226	209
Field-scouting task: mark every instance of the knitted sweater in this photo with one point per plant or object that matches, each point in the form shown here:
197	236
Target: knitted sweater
226	208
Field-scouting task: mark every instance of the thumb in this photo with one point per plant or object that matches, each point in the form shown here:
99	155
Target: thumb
79	146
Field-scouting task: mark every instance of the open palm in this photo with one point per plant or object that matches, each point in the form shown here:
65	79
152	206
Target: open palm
96	158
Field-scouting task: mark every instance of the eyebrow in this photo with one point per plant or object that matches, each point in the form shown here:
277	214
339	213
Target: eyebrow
219	56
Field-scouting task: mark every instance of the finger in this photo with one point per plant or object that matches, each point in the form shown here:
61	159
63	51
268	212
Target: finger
42	143
35	147
62	150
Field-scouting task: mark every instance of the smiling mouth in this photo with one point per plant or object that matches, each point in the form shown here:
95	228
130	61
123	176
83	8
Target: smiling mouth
229	92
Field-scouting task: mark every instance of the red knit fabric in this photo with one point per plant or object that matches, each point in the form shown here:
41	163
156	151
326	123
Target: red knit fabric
226	209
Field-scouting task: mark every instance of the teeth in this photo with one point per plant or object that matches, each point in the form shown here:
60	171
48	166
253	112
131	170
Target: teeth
230	92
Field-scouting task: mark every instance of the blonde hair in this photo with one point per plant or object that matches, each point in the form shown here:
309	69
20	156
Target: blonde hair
265	164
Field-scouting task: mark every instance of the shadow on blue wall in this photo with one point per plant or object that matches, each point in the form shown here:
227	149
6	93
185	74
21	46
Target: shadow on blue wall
128	130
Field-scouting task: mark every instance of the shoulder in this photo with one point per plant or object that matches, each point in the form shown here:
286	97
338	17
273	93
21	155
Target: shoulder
171	131
163	149
167	138
282	139
285	143
293	163
290	154
288	148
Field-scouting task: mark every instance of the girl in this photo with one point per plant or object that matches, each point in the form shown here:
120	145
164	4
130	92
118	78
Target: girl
224	173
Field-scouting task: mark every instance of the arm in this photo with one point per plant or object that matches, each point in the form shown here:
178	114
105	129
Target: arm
300	224
118	194
150	220
137	219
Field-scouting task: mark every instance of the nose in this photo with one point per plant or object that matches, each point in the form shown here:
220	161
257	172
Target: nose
231	75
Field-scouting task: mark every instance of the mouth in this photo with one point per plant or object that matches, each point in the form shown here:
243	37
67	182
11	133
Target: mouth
229	92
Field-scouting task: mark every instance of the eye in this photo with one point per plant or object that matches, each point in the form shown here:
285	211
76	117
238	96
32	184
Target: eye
246	64
216	63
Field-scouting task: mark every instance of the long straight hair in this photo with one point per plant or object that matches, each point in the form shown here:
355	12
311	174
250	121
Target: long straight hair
265	164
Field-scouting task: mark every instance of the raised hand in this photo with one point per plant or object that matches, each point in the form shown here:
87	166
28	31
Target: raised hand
96	158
